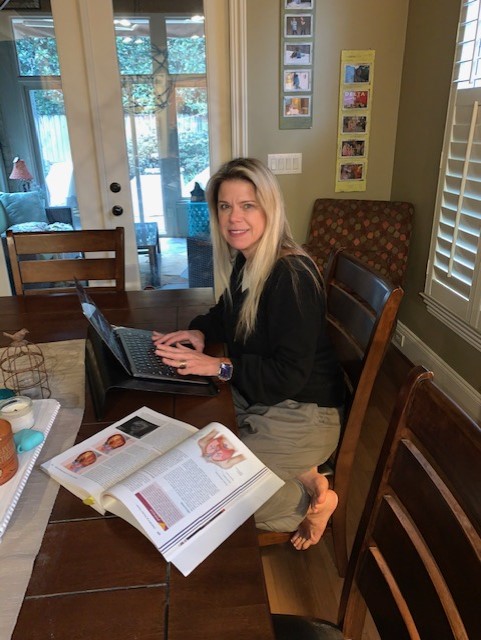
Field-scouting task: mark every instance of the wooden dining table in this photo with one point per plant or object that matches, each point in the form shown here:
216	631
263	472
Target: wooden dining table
97	577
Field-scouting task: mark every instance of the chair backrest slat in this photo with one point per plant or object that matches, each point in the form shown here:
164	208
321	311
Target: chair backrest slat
53	259
430	421
441	523
66	241
349	312
82	269
349	354
371	290
386	606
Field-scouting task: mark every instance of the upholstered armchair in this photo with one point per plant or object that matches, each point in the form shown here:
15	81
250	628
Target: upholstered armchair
375	231
25	211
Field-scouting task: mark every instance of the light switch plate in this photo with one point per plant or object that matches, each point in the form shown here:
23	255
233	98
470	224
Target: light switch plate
285	162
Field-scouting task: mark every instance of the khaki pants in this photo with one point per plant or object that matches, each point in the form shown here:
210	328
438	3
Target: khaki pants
290	437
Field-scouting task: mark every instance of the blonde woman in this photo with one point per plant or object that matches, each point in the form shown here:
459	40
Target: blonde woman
286	382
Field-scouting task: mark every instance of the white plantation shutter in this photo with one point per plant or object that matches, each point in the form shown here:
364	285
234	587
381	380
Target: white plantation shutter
453	283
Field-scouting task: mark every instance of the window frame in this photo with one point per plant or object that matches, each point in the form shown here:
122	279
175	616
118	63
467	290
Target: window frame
452	291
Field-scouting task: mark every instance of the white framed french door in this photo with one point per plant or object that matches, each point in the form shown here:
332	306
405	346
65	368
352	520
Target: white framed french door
86	53
93	103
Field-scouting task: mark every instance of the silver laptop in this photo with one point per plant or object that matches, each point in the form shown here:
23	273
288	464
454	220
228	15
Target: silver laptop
132	348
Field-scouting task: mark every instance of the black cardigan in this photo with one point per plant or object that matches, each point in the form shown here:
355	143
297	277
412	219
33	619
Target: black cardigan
288	355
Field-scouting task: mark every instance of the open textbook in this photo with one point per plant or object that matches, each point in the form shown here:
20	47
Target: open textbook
185	489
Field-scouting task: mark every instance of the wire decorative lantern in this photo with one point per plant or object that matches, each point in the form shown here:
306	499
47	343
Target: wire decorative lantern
23	367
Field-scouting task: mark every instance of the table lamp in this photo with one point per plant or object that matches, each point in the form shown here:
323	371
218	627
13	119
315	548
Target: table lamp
20	172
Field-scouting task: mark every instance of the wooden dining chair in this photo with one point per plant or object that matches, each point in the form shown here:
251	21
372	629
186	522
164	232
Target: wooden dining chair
416	559
361	313
48	262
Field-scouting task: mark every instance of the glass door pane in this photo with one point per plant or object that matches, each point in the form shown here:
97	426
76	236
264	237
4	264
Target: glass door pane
34	121
161	58
50	123
33	132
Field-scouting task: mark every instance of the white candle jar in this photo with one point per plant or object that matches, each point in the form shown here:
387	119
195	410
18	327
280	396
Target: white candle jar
18	411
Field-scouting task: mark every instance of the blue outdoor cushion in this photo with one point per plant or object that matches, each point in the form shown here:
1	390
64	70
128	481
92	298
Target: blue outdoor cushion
27	227
24	207
60	226
3	219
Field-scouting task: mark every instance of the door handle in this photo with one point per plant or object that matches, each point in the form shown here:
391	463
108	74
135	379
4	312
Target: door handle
117	210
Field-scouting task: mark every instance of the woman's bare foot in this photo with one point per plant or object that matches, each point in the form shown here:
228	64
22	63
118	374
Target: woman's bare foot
317	486
314	524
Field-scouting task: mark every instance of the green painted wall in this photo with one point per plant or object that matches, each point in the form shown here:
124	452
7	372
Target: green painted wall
350	24
430	40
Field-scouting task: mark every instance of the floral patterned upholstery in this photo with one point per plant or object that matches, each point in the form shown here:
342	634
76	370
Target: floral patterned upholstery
375	231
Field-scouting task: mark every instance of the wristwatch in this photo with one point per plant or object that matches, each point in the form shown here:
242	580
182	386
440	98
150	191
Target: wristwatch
226	370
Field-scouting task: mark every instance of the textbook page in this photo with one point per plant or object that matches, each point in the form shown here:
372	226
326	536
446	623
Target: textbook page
189	500
101	461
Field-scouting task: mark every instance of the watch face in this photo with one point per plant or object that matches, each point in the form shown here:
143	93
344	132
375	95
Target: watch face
225	372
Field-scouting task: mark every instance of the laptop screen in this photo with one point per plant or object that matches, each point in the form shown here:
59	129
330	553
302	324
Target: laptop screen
101	325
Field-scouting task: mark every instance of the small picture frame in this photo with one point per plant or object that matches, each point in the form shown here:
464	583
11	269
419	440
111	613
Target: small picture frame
299	53
297	106
357	73
354	124
355	99
297	80
297	25
351	172
299	4
353	148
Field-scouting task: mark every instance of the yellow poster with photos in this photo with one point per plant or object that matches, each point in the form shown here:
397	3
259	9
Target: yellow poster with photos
355	107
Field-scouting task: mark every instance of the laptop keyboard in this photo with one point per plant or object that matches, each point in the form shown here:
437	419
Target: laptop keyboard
141	350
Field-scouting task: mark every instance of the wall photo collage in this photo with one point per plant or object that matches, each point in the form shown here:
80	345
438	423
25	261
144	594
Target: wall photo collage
355	106
297	64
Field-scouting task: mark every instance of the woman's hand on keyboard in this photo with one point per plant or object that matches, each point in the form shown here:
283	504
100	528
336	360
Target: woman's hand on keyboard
186	360
185	337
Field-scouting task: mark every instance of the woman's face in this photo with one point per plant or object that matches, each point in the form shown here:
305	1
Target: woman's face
242	220
116	441
86	458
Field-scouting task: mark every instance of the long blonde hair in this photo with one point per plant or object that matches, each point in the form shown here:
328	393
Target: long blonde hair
276	241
